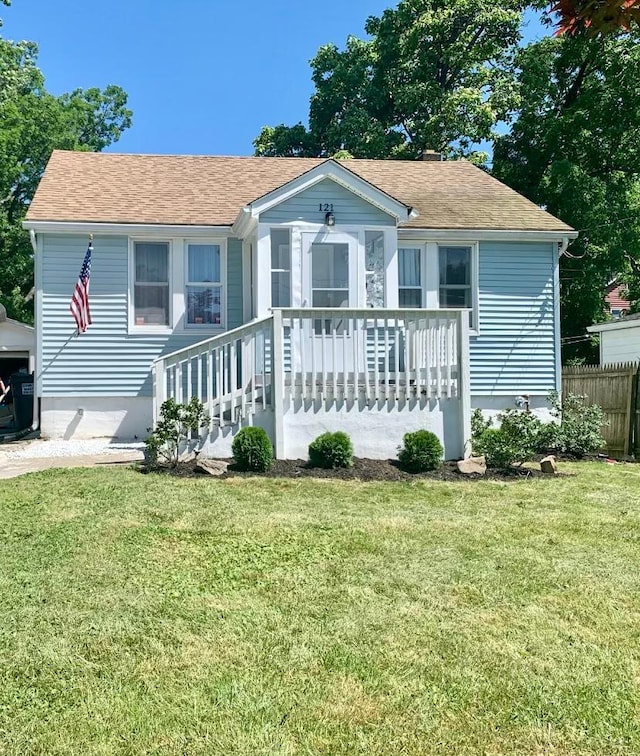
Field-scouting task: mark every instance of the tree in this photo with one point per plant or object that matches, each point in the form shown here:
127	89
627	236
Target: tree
34	123
575	149
433	75
596	16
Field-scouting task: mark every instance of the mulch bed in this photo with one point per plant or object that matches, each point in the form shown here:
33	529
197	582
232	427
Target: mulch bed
364	470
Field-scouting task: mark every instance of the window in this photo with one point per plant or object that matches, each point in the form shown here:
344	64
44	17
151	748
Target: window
204	287
374	268
151	284
329	281
280	268
456	278
409	277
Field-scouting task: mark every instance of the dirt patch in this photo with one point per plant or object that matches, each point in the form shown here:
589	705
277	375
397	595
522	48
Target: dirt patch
364	470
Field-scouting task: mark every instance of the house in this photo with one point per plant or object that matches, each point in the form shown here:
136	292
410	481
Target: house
619	340
616	299
17	364
302	295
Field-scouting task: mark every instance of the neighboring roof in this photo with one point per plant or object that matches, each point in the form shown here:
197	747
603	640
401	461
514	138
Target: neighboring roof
630	321
210	191
615	298
16	324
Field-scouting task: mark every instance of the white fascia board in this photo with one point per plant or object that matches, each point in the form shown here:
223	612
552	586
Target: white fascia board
244	224
346	178
615	325
127	229
459	234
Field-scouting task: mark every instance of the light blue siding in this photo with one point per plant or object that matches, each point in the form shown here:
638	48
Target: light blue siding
106	360
515	351
348	208
234	284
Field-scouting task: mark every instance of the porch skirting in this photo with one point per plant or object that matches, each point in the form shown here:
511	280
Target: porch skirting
375	428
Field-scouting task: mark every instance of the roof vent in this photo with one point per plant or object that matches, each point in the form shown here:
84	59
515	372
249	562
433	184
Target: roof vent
3	314
431	155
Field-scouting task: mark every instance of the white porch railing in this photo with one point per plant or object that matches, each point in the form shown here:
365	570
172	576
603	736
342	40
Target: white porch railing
345	354
230	373
327	355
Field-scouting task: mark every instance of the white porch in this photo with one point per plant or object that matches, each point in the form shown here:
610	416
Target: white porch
374	373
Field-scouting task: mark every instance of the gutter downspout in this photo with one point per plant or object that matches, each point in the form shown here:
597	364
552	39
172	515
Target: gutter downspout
36	399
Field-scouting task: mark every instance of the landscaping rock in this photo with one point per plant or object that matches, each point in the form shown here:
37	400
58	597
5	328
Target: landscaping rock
549	466
215	467
472	466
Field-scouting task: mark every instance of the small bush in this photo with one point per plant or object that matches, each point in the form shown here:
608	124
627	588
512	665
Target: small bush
331	450
499	449
252	450
478	426
176	425
514	442
580	424
421	451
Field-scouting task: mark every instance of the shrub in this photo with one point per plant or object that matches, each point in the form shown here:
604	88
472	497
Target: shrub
172	432
514	442
478	426
580	424
422	451
331	450
498	448
252	450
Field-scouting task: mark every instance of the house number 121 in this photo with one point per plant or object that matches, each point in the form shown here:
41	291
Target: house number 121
326	207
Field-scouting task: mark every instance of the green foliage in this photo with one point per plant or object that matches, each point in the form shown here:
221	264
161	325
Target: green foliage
252	450
173	430
574	148
34	123
478	426
581	424
421	451
429	76
516	440
331	450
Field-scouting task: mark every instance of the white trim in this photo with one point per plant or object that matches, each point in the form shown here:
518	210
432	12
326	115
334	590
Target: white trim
39	266
159	330
149	230
332	170
556	318
445	234
614	325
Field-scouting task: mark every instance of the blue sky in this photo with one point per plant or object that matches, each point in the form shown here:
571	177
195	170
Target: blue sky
203	76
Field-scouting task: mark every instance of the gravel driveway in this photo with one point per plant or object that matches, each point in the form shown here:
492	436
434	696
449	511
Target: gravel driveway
31	456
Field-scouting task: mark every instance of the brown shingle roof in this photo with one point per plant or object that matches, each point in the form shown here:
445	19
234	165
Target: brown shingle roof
205	190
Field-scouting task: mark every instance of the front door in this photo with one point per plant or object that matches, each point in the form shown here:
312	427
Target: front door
330	281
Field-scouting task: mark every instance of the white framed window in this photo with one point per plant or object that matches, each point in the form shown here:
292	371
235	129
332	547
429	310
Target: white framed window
457	278
280	267
410	283
204	290
374	268
151	285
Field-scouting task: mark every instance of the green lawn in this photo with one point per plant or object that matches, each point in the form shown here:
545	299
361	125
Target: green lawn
150	615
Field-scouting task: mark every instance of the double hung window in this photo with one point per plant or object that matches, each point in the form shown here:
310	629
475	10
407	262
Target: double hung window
410	277
151	284
203	293
456	276
280	267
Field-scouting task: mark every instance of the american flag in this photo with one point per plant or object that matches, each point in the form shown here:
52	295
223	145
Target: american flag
80	299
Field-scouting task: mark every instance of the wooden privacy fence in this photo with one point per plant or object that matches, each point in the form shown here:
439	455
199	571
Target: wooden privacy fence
615	389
